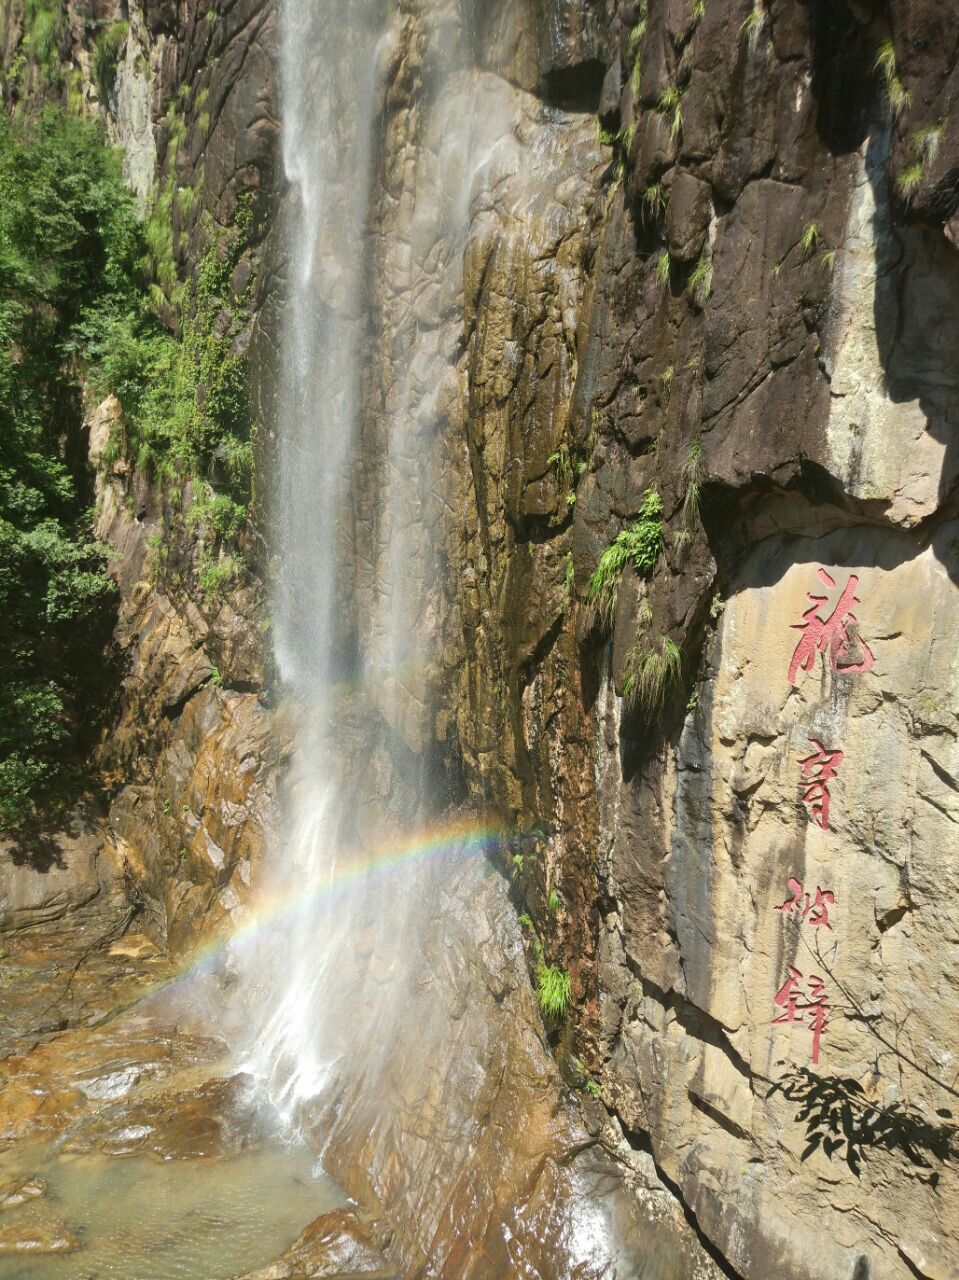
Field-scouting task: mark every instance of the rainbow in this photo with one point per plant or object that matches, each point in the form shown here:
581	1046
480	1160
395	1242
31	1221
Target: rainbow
348	872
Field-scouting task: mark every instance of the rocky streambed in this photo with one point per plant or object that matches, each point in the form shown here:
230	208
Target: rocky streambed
129	1144
133	1144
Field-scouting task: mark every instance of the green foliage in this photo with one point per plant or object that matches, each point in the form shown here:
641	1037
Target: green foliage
555	987
752	26
664	266
637	33
670	105
75	312
810	238
654	202
592	1088
909	182
701	279
640	545
218	574
44	25
554	901
692	471
106	56
925	142
564	466
68	241
652	671
604	136
186	400
896	93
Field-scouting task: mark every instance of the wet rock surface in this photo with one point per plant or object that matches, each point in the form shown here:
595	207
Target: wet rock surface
520	1181
338	1246
785	376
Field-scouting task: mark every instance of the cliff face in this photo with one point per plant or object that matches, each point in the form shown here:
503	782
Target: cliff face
189	765
751	310
745	299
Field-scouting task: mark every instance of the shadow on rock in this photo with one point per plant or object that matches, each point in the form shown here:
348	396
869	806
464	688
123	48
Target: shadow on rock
842	1122
37	849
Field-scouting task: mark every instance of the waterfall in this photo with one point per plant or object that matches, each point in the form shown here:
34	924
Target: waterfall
352	629
327	67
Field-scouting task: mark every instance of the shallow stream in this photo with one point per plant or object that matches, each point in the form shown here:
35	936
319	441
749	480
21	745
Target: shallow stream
142	1218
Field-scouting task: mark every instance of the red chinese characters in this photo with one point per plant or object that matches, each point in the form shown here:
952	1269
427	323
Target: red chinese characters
818	770
815	910
837	635
797	1003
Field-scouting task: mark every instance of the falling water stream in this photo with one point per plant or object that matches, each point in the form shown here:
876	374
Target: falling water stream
326	982
328	58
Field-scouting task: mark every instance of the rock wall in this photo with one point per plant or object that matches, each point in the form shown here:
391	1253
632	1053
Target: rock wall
745	304
779	364
189	767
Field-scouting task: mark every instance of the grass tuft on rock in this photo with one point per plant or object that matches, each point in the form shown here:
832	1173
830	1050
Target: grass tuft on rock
652	672
555	988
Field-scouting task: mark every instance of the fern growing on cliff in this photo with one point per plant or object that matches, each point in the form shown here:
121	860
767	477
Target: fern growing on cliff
640	545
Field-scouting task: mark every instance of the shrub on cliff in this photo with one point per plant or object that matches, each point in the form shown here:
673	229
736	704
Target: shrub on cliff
67	239
76	311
